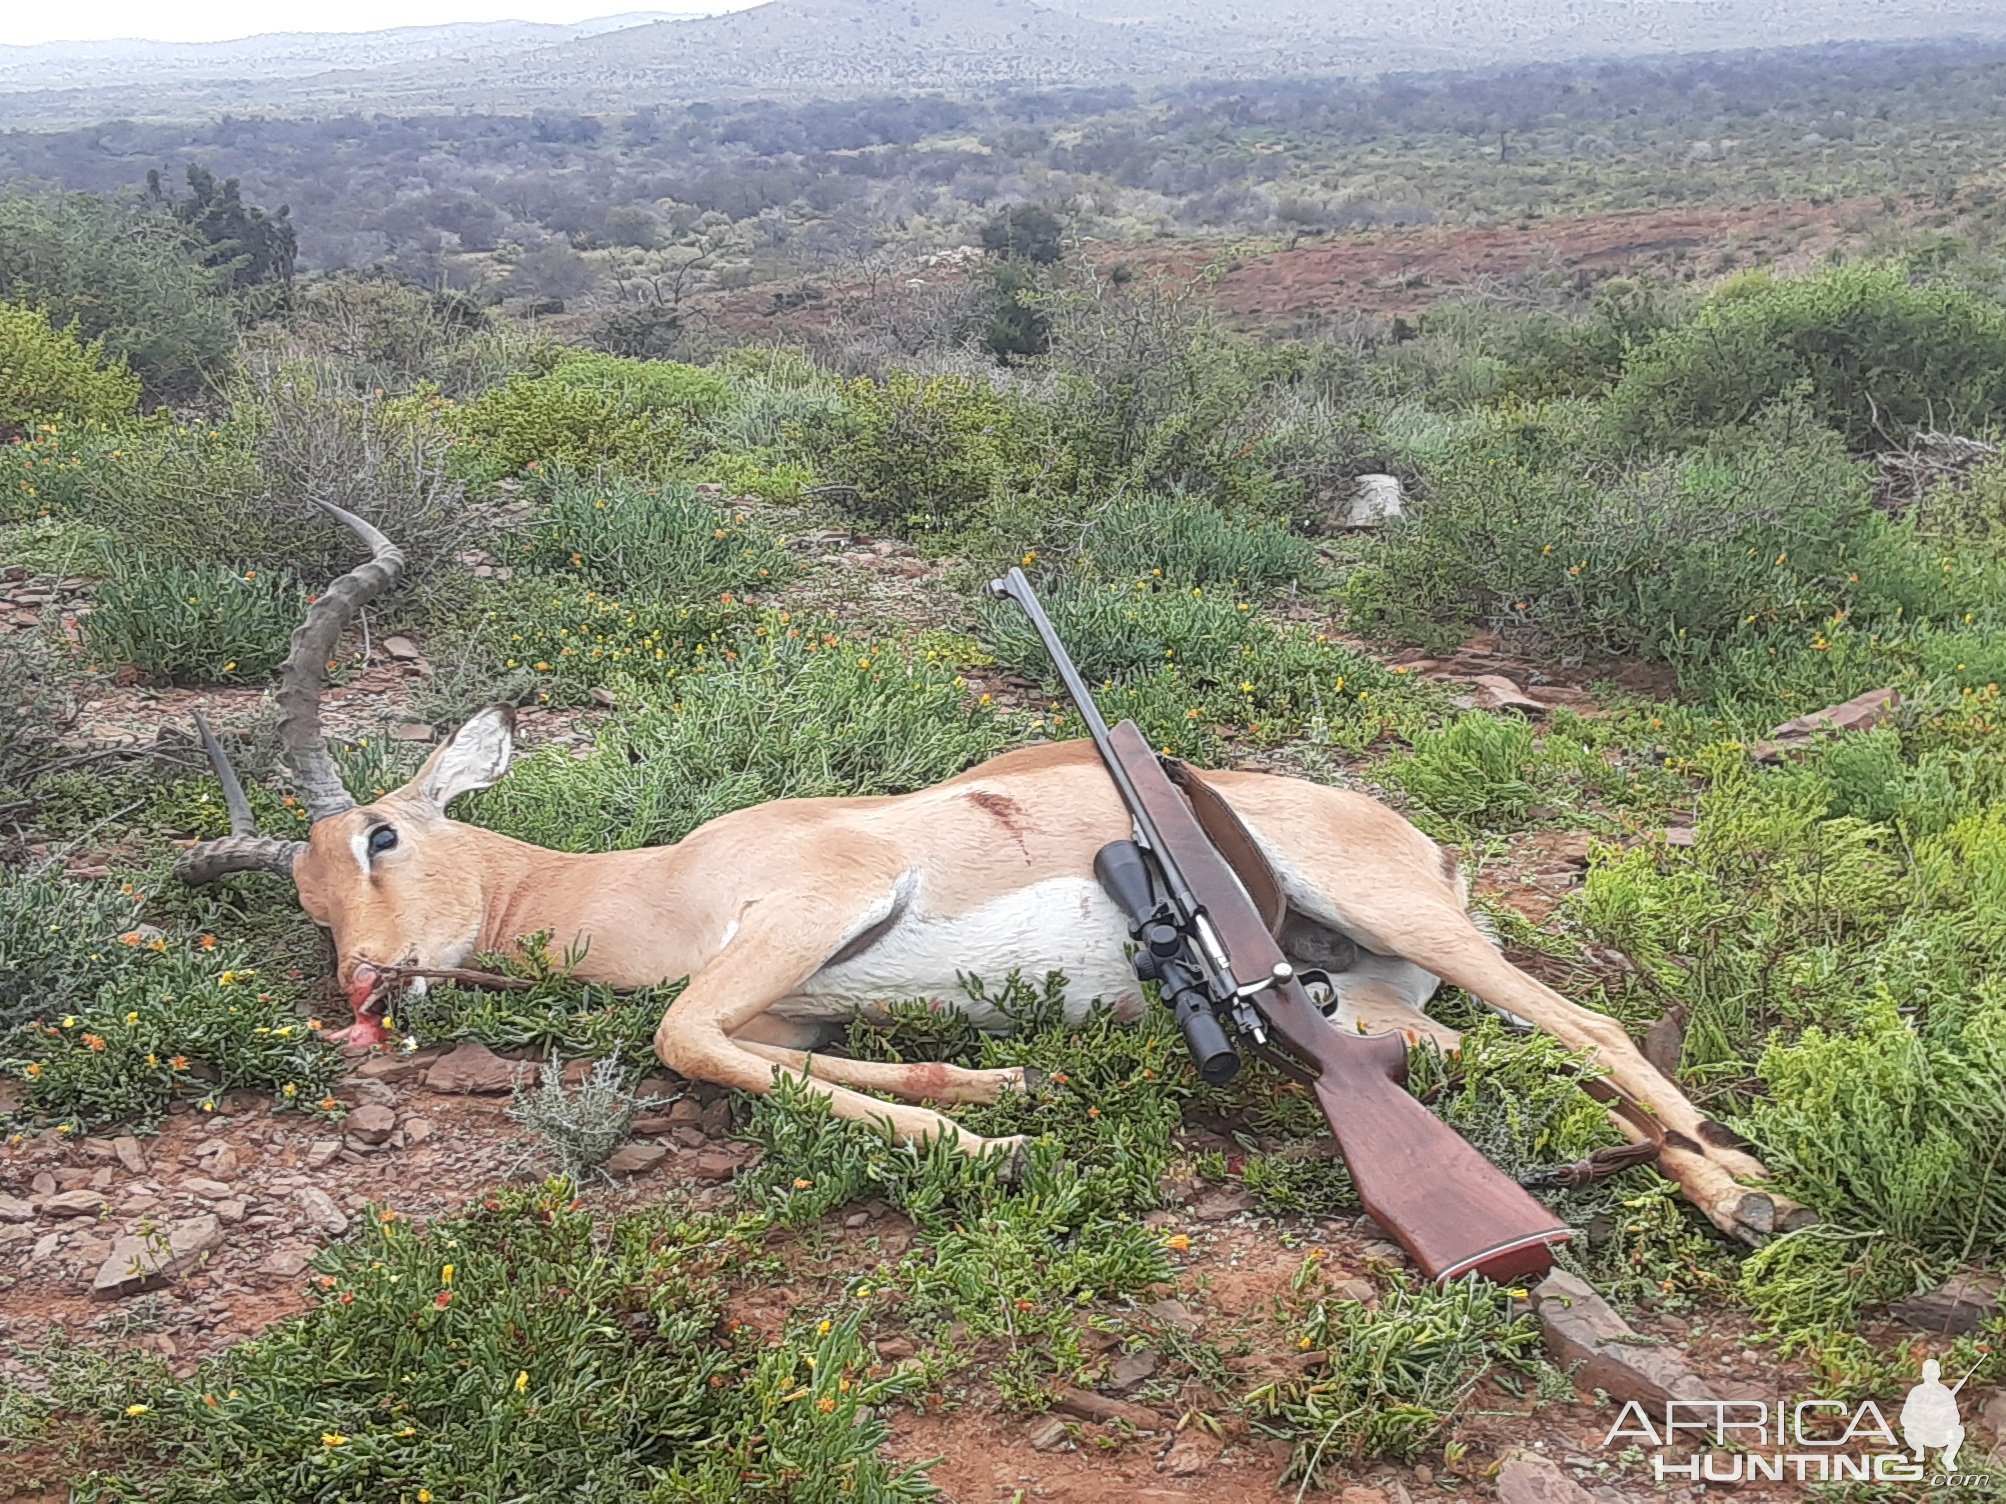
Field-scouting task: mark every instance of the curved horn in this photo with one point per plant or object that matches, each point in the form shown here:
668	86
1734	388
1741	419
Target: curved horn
305	673
243	850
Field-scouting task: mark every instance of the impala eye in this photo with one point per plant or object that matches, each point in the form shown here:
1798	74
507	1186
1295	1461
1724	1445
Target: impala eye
382	839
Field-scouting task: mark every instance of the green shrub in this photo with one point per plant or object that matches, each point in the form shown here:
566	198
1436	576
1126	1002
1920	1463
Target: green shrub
663	540
192	624
1186	542
1477	768
128	276
518	1351
538	424
1766	525
928	455
1875	354
48	376
107	1022
772	716
644	386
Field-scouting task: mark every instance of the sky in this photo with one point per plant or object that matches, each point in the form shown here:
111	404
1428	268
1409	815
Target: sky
222	20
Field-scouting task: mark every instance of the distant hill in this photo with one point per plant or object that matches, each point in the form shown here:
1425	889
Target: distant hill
839	48
284	54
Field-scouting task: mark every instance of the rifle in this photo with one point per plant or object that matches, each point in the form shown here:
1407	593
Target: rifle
1205	929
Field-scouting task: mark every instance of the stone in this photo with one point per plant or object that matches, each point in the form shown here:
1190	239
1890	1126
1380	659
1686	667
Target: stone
1048	1434
129	1155
715	1119
1682	836
1528	1479
1496	692
1174	1314
1373	499
14	1209
73	1204
1131	1369
286	1261
412	731
417	1130
405	1066
1360	1290
1083	1404
231	1212
320	1153
687	1110
475	1069
1664	1045
717	1164
635	1159
1357	1495
1992	1416
222	1164
895	1349
1221	1202
44	1184
1581	1329
46	1246
1861	713
402	649
145	1263
1191	1456
1958	1305
320	1210
208	1190
372	1125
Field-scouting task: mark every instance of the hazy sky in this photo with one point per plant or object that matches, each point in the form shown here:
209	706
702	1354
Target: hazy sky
219	20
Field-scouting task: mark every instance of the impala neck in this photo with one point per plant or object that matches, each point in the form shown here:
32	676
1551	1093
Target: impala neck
626	911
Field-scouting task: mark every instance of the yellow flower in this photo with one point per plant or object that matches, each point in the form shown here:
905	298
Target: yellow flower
522	1381
446	1275
1177	1243
135	1411
230	667
824	1329
131	1018
424	1496
333	1439
32	1070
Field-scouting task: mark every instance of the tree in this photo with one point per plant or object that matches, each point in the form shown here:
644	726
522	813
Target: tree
247	245
1013	325
1025	232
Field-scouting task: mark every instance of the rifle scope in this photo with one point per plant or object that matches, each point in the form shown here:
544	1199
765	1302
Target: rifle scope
1124	873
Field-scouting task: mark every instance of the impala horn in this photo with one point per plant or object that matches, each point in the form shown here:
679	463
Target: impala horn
301	681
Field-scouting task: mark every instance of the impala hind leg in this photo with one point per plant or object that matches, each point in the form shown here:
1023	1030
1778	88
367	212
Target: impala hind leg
1701	1155
909	1082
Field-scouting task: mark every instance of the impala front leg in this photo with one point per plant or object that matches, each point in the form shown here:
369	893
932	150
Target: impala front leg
752	974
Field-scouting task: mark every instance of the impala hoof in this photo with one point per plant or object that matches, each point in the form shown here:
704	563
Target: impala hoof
1012	1157
1761	1215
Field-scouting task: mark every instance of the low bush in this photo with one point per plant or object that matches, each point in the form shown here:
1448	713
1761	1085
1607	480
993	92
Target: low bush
48	375
1182	540
192	624
928	456
662	540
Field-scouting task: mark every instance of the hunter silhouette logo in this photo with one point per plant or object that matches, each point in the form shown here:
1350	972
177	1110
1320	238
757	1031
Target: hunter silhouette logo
1930	1419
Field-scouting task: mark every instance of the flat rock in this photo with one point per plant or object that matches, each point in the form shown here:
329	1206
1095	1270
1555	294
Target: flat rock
14	1209
1131	1369
320	1153
145	1263
715	1119
128	1151
208	1190
404	1066
412	731
320	1210
1191	1456
1665	1043
1083	1404
1496	692
1580	1328
1958	1305
417	1130
476	1069
1528	1479
233	1211
717	1164
222	1164
635	1159
1861	713
402	649
1221	1202
372	1124
1174	1314
1048	1434
286	1262
73	1204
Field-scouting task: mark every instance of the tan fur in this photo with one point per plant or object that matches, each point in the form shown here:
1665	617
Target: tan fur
752	905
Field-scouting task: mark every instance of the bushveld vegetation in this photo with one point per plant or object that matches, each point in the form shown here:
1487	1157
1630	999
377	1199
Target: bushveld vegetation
1703	482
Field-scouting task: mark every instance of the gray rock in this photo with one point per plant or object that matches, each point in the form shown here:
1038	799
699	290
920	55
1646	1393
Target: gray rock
1131	1369
417	1130
1580	1328
635	1159
1221	1202
1191	1456
145	1263
321	1152
321	1211
1373	499
14	1209
233	1211
129	1155
474	1068
208	1190
287	1261
1958	1305
372	1125
73	1204
1528	1479
1048	1434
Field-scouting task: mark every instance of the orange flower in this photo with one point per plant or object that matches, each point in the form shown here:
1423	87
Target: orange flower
95	1041
386	1216
207	942
443	1299
802	1184
130	937
179	1062
1178	1243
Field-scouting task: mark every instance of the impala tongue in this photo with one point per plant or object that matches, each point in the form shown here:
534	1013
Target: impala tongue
364	1034
364	987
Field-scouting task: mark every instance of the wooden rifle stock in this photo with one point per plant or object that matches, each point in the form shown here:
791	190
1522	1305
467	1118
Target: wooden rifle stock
1451	1209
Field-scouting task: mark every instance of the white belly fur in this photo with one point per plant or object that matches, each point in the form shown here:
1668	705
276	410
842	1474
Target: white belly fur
1064	924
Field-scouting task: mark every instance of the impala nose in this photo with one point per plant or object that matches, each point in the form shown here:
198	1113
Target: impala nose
363	984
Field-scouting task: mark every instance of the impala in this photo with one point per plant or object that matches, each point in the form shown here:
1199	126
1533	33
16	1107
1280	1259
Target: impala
789	917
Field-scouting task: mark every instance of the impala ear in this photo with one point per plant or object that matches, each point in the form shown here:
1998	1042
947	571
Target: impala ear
474	757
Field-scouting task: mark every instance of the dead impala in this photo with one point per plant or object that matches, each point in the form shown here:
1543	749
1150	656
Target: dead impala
789	916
